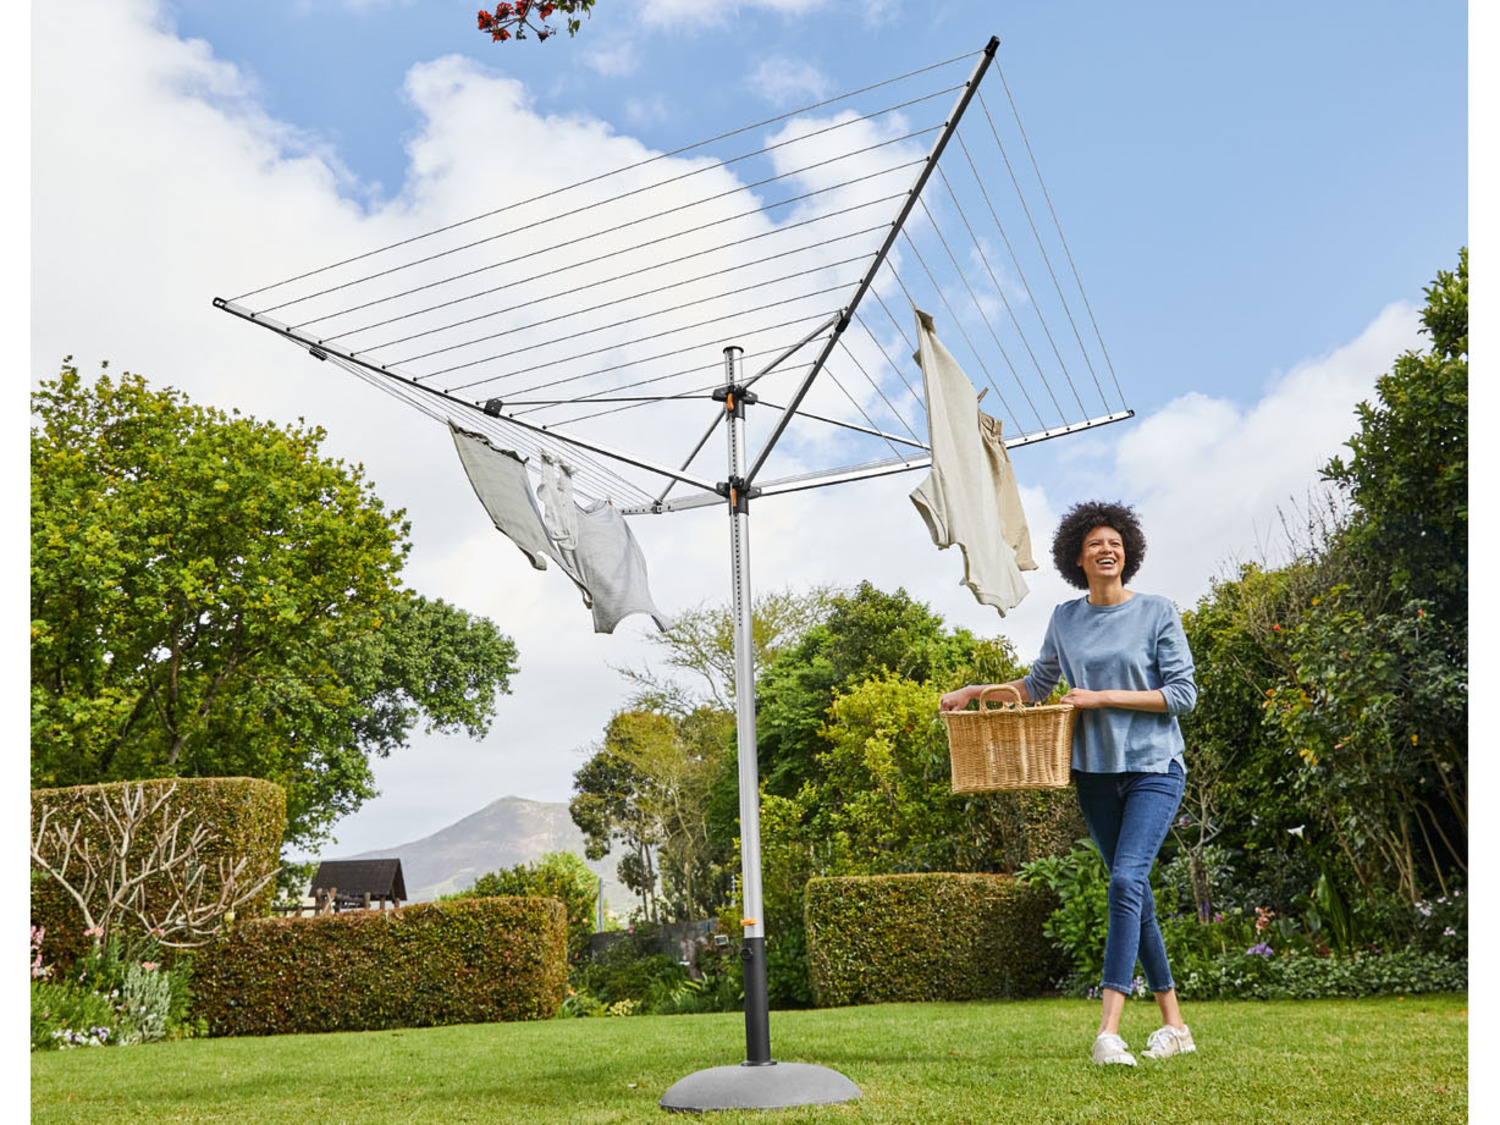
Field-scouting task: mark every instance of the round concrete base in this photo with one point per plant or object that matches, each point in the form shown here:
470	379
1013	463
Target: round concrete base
777	1086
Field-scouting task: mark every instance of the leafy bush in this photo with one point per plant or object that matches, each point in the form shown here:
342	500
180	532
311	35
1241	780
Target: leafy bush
560	875
108	998
64	1016
475	961
1079	925
1247	976
927	937
631	970
787	983
715	992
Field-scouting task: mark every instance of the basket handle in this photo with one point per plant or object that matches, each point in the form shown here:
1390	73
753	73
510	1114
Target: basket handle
1012	704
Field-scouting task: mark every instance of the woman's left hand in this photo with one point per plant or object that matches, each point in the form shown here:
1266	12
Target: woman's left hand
1085	700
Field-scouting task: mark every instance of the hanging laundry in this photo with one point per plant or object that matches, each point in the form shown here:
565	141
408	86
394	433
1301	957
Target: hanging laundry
500	481
970	497
603	558
1012	515
613	568
560	513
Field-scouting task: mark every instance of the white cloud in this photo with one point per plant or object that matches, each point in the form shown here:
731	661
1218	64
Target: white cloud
159	183
1212	475
619	59
692	15
784	81
642	112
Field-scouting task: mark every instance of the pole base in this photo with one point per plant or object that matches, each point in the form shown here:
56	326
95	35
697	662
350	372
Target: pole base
775	1086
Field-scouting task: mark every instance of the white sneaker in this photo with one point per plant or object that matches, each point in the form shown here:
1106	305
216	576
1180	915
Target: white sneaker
1165	1042
1110	1048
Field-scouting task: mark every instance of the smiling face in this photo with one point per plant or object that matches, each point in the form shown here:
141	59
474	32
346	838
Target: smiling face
1103	556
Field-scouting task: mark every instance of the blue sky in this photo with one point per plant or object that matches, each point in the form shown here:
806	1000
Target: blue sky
1255	197
1286	166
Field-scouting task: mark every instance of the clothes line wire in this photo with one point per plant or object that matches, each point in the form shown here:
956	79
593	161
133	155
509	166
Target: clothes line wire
612	230
695	347
639	339
984	317
962	331
1041	247
628	320
896	414
737	189
1025	284
595	480
1056	223
613	279
606	175
1004	300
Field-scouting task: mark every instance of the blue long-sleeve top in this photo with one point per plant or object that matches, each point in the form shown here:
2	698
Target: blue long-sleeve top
1137	645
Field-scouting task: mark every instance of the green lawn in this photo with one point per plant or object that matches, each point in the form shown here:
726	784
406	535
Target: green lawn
1271	1063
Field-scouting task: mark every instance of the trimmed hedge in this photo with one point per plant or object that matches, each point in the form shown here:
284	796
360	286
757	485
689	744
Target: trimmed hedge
880	938
475	960
247	817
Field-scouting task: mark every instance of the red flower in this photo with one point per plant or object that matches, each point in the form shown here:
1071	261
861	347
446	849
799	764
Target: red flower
547	10
1420	613
485	19
1275	628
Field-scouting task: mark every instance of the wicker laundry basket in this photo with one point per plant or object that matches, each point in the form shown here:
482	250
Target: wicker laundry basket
1010	746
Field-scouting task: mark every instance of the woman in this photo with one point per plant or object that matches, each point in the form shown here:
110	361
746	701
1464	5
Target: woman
1126	659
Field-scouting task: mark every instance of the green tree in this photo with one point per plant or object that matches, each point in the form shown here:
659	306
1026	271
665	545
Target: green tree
210	597
866	632
700	643
1408	472
1353	660
645	788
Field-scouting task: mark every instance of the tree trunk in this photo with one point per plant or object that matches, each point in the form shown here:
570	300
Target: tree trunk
1202	898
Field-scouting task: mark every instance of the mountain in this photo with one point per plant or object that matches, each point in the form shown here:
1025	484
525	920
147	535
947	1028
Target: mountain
504	833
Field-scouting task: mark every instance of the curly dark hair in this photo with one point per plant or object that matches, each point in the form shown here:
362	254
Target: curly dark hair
1081	519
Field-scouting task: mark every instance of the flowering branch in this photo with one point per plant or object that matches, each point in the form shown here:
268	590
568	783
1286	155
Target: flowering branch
144	843
514	20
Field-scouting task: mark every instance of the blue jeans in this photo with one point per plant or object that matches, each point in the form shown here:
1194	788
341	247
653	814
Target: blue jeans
1129	815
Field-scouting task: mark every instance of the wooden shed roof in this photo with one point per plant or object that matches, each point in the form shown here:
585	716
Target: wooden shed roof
361	876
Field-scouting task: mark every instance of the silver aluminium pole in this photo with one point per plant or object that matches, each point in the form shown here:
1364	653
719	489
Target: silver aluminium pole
753	943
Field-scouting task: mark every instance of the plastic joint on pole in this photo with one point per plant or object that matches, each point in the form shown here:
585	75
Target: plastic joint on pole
737	493
735	398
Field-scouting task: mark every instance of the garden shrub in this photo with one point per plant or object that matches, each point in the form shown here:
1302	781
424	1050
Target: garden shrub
927	936
63	1017
109	997
1077	927
476	960
632	969
1249	976
560	875
787	984
247	818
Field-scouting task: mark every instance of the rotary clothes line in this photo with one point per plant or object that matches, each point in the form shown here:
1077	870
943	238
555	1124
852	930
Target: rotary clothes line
608	313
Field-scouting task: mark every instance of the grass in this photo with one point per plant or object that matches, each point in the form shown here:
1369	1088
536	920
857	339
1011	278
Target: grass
1377	1061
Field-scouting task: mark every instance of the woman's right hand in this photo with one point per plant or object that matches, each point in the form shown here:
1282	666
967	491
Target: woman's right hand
958	700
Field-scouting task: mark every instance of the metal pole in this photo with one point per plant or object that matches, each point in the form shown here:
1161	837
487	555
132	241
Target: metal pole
753	942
